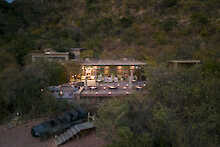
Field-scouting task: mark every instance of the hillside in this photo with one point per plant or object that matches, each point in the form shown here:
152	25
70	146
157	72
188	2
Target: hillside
176	108
148	30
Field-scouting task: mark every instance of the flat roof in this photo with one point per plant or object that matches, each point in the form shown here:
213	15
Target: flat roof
184	61
51	53
74	49
111	62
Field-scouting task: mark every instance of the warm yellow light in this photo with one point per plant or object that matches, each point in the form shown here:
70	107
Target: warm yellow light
106	70
132	67
119	67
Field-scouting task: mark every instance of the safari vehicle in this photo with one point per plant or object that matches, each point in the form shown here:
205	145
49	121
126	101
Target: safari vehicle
59	124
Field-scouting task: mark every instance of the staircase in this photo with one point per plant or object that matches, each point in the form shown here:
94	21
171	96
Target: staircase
71	132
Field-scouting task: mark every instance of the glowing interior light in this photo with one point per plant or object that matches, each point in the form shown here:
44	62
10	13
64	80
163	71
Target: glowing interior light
119	67
61	92
109	93
132	67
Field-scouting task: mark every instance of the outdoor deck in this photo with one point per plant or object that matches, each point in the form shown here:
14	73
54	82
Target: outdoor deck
101	90
109	89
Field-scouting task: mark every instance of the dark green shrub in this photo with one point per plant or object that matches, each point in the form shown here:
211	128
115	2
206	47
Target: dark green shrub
126	22
91	6
168	3
168	24
198	19
162	5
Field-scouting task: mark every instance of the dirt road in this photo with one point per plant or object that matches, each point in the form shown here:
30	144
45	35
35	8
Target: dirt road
20	136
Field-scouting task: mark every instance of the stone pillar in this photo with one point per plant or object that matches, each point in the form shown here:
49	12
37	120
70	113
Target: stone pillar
67	57
131	77
175	65
33	59
95	72
77	54
86	85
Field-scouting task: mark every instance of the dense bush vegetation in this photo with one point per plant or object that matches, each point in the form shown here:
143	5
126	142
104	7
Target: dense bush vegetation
181	110
161	29
25	90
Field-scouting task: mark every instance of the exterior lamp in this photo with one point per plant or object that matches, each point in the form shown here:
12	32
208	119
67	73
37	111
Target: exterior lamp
61	93
124	88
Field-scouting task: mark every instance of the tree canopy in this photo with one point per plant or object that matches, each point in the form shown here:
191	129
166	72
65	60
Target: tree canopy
25	90
161	30
181	109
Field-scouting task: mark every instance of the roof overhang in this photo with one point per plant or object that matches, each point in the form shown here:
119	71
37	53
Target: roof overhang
50	54
184	61
112	62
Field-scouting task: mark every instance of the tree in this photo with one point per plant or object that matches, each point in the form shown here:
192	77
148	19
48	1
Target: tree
55	72
26	91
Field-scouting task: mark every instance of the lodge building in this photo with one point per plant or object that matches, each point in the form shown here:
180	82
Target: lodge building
51	55
111	70
94	71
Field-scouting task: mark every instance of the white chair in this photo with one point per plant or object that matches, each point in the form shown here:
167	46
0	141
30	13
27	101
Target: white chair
110	80
116	79
105	79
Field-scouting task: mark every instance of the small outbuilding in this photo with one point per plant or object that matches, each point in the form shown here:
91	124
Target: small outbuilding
174	64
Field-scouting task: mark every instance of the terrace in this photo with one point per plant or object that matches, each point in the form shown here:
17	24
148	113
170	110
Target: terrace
69	91
112	89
